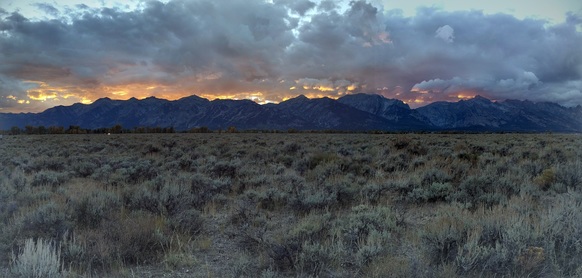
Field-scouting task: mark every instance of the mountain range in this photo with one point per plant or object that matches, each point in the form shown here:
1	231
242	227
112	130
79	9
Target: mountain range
355	112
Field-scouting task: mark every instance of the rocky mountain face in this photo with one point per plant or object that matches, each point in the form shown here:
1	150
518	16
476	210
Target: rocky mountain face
350	112
480	113
392	110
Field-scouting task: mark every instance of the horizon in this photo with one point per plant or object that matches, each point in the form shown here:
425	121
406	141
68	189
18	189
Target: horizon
419	52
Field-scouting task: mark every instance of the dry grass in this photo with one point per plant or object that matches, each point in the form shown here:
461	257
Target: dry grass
288	205
40	258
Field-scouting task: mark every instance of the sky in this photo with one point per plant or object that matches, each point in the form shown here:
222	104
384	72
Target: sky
62	52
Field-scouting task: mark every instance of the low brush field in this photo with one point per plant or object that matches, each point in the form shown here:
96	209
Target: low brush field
291	205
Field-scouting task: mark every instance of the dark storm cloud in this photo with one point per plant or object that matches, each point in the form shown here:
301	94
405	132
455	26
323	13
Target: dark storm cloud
232	47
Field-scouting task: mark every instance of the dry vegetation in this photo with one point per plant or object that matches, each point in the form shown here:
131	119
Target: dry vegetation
293	205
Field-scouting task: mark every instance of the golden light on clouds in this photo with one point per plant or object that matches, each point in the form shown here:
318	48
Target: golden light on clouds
220	96
42	91
352	87
41	95
415	102
465	95
417	90
320	96
119	93
257	97
319	88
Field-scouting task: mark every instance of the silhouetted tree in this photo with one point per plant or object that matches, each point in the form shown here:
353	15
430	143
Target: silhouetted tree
56	130
74	129
15	130
29	129
42	130
117	129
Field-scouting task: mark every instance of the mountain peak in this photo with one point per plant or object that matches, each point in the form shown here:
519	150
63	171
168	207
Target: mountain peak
478	99
362	99
194	97
481	98
297	99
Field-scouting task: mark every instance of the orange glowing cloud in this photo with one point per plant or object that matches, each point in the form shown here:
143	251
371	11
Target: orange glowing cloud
465	95
42	95
420	91
257	97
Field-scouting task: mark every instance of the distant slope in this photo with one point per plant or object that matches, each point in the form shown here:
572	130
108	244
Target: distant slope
480	113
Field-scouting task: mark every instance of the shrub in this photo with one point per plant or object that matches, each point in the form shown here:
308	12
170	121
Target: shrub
49	178
435	192
138	238
40	258
402	143
48	220
291	148
84	168
226	169
570	174
136	171
312	227
244	266
396	162
102	173
443	237
313	259
18	180
189	221
175	196
431	176
141	198
477	256
90	210
74	253
271	199
203	188
372	192
321	158
477	190
308	201
361	222
44	163
546	179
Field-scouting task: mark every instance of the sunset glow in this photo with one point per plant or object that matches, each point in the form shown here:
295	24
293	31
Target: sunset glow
465	96
60	53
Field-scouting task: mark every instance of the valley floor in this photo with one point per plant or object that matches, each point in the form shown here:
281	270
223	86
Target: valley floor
292	205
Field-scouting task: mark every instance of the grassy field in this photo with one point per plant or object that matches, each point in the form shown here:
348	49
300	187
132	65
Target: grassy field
292	205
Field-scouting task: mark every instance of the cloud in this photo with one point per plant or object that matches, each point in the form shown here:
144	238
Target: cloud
48	9
262	49
298	6
445	33
496	89
340	86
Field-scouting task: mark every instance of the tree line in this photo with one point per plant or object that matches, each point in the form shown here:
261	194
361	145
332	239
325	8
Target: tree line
74	129
118	129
